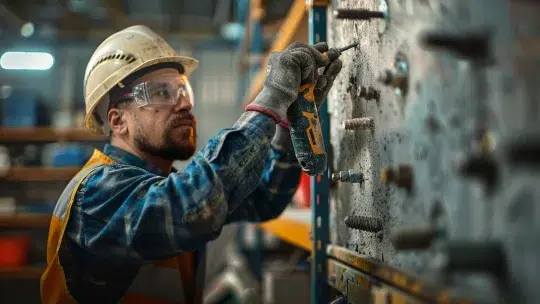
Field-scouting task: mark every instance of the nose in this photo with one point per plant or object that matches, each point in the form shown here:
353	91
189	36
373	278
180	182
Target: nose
183	104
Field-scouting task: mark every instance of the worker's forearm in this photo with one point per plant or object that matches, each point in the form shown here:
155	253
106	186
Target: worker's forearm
278	185
131	214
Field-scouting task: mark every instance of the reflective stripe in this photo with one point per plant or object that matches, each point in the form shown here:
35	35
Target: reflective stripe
158	282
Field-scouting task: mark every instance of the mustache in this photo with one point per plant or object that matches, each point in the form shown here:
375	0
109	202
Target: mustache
185	119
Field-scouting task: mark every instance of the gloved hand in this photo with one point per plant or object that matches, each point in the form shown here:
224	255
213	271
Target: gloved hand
325	81
286	71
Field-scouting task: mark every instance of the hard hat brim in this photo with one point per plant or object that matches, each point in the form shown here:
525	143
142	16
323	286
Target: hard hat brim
190	64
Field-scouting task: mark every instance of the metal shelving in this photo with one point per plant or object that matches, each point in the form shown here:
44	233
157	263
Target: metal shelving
320	185
45	134
29	272
286	32
308	228
293	226
24	220
21	174
32	174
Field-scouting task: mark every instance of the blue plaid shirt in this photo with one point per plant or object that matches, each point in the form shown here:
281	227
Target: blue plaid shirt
134	212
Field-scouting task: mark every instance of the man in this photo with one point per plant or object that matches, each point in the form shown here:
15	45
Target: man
129	228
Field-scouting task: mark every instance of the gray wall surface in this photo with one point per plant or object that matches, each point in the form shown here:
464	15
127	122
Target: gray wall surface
452	102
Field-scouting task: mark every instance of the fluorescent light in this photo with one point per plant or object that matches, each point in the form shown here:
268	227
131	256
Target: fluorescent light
26	61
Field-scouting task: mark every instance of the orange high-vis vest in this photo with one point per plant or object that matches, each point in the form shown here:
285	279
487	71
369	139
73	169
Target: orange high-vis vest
159	282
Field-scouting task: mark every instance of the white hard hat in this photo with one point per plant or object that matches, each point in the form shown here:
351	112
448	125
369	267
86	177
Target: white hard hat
119	56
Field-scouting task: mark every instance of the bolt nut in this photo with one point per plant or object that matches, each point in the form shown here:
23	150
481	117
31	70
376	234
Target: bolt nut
348	177
396	77
393	78
369	93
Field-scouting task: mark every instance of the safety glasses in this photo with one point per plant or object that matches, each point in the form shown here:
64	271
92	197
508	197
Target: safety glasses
164	91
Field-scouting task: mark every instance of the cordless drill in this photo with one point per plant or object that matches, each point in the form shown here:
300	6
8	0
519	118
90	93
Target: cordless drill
305	126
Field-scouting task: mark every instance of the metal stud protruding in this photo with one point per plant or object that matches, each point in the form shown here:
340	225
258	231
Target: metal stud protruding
359	123
348	176
397	76
400	175
469	45
482	166
472	256
364	223
358	14
419	237
523	150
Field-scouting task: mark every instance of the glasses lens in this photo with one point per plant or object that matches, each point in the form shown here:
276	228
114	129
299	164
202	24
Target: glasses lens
168	91
162	93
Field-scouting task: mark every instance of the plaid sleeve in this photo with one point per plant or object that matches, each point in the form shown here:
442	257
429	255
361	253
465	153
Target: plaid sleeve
279	183
125	212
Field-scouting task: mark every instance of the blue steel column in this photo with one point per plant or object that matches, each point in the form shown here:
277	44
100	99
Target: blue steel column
242	15
319	185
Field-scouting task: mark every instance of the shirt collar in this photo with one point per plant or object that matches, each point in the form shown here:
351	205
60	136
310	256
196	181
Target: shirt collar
124	157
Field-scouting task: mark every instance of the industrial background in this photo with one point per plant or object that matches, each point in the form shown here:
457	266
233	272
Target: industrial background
431	130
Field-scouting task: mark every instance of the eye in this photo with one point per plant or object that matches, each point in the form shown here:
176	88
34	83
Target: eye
163	93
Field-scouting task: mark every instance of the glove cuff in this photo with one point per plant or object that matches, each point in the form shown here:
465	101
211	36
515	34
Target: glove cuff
284	124
264	110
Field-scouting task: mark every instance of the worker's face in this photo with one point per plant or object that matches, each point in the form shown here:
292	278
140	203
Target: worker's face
168	131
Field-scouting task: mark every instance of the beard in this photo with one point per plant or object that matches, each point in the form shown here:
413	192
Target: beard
179	146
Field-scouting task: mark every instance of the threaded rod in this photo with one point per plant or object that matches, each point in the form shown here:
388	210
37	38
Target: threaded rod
364	223
359	123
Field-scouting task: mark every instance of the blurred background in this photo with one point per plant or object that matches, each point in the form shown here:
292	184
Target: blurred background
45	47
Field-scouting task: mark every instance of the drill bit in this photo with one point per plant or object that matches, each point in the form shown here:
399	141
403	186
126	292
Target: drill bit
334	53
341	50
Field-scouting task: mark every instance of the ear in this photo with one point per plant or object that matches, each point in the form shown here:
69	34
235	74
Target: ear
117	121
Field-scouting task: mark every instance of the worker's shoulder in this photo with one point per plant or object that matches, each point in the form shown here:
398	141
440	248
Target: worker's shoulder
113	173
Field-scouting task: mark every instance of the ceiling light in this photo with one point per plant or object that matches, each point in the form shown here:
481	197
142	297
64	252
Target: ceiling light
26	61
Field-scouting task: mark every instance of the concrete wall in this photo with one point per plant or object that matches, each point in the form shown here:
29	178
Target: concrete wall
438	122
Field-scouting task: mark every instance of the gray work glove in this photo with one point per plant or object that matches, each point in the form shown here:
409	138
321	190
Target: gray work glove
286	71
282	138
